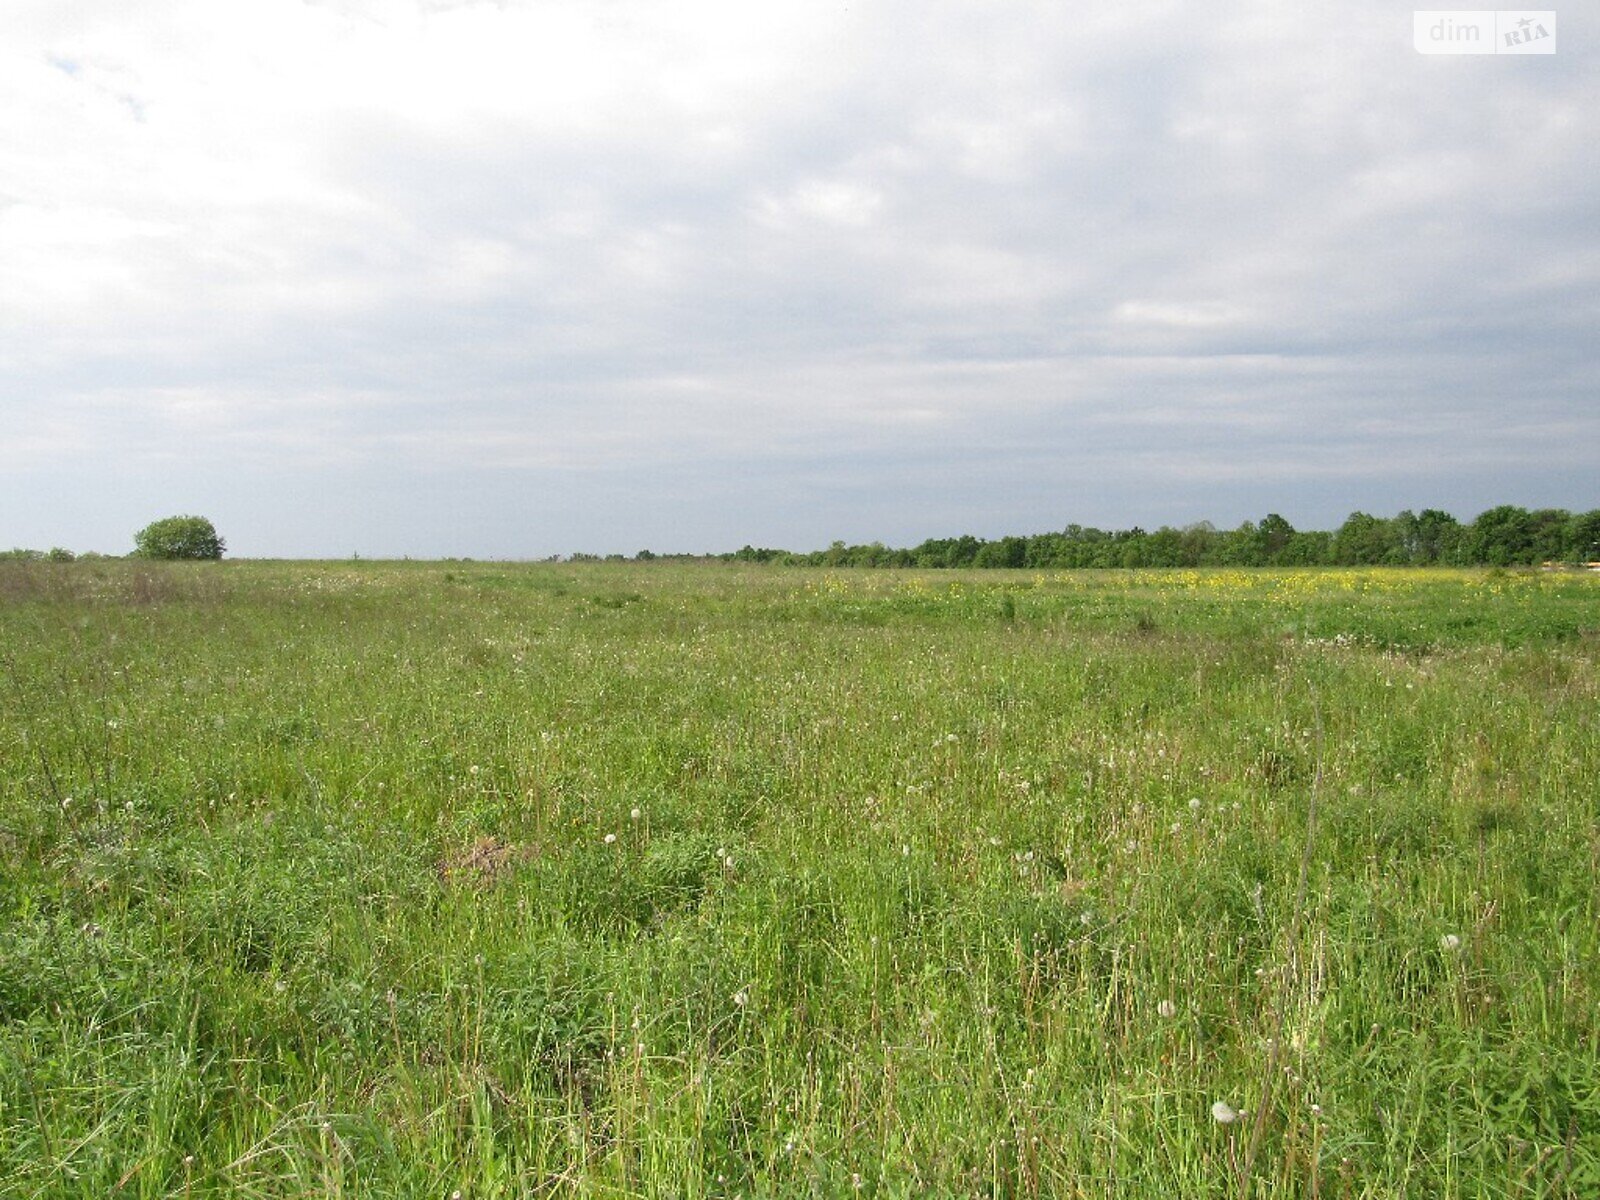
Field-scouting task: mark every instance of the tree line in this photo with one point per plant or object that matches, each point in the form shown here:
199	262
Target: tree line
1503	536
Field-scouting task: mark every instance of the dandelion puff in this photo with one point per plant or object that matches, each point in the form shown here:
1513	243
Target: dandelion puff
635	815
1167	1009
1224	1113
609	838
1450	942
1194	804
741	998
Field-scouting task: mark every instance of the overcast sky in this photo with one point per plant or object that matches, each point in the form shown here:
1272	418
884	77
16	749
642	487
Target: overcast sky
519	278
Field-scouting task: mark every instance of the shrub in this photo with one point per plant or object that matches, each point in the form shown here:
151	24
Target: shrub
178	538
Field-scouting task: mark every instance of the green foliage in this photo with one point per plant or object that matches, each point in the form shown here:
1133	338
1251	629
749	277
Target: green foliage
179	538
1503	536
664	880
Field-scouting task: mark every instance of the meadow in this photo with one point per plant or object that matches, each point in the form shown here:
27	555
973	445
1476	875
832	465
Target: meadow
683	880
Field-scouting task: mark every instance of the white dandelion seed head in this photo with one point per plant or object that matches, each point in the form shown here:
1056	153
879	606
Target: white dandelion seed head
741	998
1194	804
1450	942
1167	1009
609	838
1224	1113
635	815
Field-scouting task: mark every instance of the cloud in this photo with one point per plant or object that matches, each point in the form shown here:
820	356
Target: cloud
935	255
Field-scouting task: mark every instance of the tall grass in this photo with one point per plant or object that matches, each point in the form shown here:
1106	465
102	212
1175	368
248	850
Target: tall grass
409	879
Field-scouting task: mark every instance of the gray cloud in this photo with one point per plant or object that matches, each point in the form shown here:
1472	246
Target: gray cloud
526	278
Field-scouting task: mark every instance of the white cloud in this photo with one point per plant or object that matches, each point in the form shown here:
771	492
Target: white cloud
592	236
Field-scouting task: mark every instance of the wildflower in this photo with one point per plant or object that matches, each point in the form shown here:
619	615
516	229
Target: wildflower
1450	942
741	998
635	815
1194	804
727	861
610	838
1167	1009
950	738
1224	1113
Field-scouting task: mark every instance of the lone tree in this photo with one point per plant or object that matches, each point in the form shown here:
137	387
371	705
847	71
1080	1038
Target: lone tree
178	537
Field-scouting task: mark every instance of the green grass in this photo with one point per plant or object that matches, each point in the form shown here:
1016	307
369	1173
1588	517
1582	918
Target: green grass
350	897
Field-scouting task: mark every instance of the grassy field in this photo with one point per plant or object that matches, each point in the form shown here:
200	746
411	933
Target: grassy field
409	880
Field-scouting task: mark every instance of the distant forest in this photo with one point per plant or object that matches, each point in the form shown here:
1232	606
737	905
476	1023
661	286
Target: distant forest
1501	537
